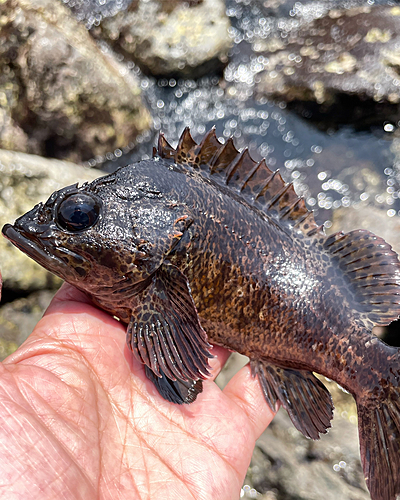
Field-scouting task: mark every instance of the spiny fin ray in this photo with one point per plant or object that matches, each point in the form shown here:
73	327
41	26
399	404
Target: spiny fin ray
304	397
255	182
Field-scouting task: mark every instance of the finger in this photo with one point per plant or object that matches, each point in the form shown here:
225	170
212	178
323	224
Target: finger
68	293
246	392
70	299
221	356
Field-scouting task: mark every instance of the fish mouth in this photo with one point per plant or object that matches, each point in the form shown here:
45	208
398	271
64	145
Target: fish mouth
34	249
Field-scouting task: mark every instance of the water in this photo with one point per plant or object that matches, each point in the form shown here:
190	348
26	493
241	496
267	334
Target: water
331	169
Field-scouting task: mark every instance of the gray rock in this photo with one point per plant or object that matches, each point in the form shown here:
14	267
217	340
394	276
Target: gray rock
187	41
349	52
19	318
287	466
25	180
365	216
63	96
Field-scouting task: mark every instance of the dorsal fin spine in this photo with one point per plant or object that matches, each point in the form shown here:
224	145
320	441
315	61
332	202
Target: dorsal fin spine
235	164
315	230
278	195
260	164
225	147
256	182
303	219
164	149
267	183
290	208
185	144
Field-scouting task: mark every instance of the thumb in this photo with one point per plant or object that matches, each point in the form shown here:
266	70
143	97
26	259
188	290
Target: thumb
72	325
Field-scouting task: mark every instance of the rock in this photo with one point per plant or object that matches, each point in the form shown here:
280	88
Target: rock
287	466
19	318
235	362
172	39
365	216
93	11
24	181
63	96
346	53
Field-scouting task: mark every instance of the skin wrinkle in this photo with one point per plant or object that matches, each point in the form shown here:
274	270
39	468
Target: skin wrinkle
43	425
208	447
194	437
155	453
76	430
34	445
74	389
168	466
126	418
163	415
113	417
113	404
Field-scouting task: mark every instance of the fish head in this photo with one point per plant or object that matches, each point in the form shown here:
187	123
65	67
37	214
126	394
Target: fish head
102	235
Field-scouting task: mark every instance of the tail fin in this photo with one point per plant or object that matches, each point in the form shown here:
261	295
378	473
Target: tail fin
379	431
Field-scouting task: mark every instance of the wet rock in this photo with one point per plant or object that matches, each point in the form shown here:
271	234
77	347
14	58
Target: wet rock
172	39
365	216
287	466
60	95
93	11
19	318
347	54
24	181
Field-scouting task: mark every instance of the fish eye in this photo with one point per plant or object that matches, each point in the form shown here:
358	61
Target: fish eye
78	212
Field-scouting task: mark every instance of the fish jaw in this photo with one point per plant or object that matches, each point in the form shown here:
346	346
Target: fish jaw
39	243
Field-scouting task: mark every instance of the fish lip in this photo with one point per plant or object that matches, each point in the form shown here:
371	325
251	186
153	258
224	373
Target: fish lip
31	248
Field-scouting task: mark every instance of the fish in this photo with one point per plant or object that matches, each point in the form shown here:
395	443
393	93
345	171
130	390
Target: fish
203	245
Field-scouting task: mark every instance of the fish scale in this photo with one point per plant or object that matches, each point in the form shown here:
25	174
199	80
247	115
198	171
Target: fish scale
202	244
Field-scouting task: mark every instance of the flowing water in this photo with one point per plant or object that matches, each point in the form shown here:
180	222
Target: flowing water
331	167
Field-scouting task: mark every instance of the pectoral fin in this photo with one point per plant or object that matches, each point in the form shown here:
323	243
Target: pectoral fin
176	391
165	332
304	397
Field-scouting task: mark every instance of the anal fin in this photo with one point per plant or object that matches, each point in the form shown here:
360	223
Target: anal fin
304	397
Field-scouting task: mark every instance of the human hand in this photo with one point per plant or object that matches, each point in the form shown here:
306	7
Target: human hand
80	420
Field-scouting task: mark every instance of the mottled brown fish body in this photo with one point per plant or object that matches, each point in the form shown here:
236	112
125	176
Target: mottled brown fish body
273	297
204	239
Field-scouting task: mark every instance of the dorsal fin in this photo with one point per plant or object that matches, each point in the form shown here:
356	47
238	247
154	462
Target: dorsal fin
223	158
240	169
185	152
258	185
164	149
207	149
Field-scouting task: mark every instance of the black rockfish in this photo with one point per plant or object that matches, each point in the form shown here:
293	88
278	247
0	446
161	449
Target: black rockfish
204	239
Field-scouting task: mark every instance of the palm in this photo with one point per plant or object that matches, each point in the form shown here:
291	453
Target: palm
79	419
